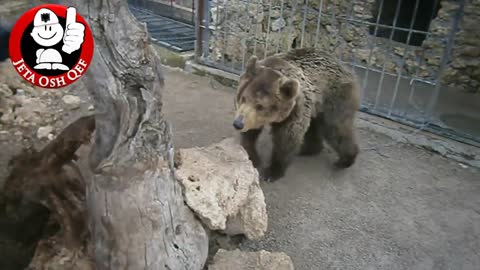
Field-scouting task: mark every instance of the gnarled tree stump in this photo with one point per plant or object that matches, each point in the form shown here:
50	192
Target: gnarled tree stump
137	217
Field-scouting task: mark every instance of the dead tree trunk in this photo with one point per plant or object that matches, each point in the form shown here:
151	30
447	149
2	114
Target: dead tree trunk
137	217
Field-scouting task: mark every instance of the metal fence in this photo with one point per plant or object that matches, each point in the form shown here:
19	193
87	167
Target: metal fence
178	10
169	26
401	50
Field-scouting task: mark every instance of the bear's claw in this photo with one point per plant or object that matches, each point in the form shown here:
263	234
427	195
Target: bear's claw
269	175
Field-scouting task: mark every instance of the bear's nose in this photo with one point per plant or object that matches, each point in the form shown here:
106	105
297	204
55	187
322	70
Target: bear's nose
238	123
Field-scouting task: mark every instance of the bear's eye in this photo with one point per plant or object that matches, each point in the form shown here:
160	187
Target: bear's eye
259	107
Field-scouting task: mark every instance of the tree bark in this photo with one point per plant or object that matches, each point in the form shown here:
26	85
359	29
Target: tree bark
137	216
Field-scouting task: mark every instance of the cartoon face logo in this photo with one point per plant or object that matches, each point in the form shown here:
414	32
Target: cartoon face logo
51	41
47	31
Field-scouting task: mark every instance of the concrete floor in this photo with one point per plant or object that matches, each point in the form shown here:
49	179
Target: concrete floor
398	207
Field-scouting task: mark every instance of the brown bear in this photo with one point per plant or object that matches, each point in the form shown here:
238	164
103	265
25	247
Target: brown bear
305	95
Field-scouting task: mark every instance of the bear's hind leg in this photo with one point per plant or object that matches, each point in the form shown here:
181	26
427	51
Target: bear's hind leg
248	141
313	140
341	137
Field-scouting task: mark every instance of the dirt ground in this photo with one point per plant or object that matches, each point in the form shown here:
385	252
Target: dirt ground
398	207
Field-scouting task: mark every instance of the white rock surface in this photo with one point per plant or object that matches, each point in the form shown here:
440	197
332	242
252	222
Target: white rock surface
30	109
261	260
278	24
44	132
71	100
20	92
221	186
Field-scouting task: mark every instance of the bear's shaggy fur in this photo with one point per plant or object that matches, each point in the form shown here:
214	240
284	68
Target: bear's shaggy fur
306	96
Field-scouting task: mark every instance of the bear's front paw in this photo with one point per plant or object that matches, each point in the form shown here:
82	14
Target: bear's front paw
343	163
270	175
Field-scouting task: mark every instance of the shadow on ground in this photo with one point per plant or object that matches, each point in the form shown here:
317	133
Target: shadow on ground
399	207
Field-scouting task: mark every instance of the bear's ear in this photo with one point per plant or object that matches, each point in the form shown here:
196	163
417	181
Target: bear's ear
251	65
289	89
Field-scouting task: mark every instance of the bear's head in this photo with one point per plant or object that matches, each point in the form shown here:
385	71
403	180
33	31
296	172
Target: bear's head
264	96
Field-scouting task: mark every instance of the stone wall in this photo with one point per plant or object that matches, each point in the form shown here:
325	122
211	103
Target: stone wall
242	28
464	71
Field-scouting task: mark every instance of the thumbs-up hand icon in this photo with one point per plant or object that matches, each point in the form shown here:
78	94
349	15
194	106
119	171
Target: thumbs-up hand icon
74	32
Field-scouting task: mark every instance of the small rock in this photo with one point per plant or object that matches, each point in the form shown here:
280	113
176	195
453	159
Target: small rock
349	34
275	13
472	63
329	29
43	132
50	137
278	24
399	50
472	51
31	110
362	54
91	108
5	90
463	165
20	92
72	101
358	8
459	64
241	260
424	73
7	116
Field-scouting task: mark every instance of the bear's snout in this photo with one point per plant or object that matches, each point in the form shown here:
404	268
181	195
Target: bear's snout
238	123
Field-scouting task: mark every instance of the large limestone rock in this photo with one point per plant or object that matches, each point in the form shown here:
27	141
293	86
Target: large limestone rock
221	186
261	260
